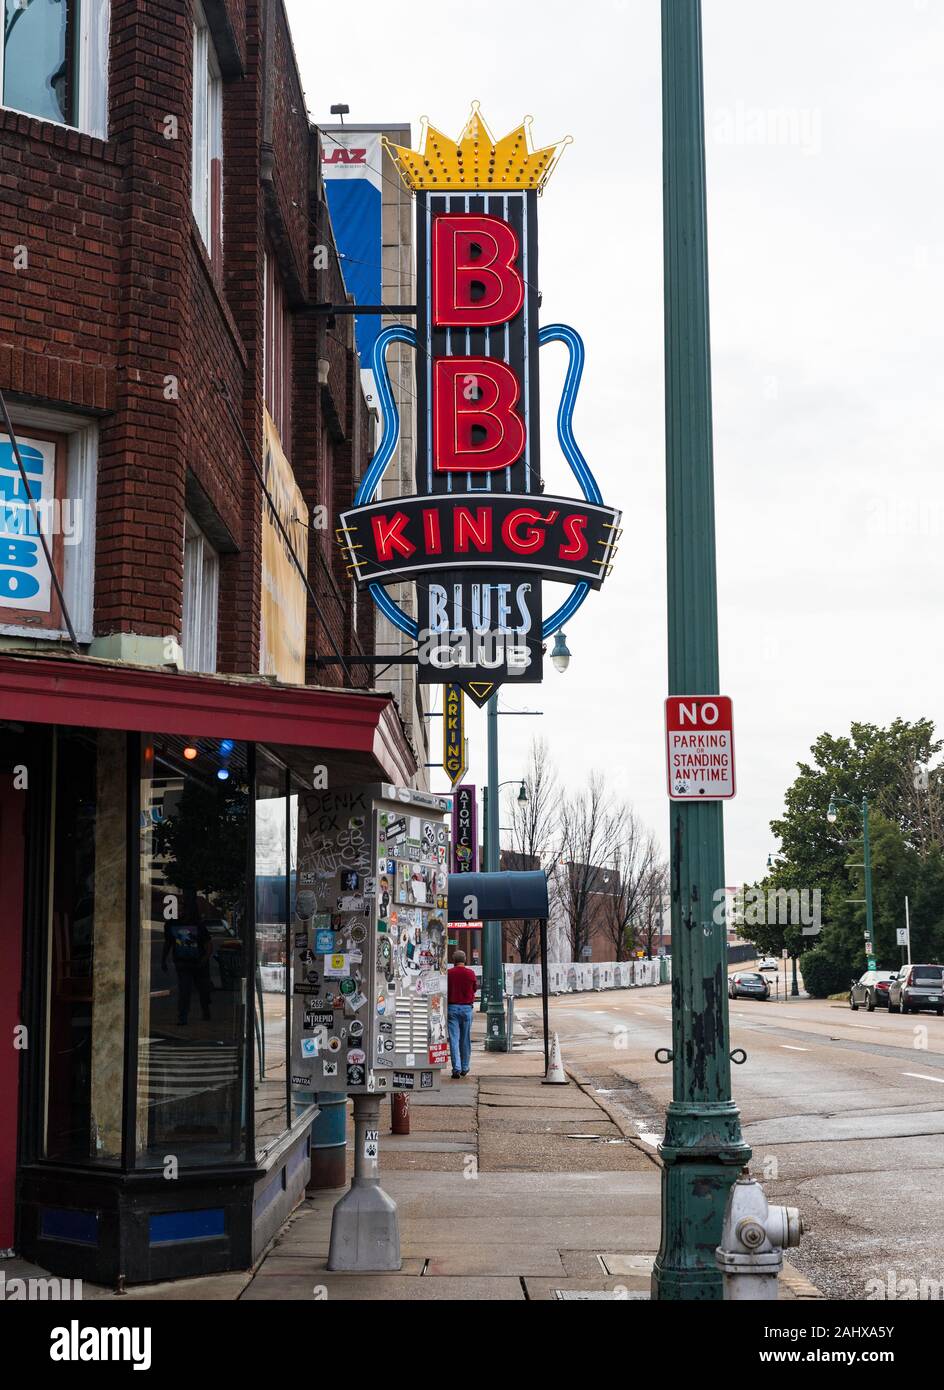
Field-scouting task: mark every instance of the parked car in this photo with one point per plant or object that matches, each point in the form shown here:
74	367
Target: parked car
871	990
917	987
748	984
770	963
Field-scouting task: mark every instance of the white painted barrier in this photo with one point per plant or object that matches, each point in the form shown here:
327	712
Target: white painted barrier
584	977
557	979
568	977
272	978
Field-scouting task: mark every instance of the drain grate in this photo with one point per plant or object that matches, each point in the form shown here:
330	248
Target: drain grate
596	1138
598	1295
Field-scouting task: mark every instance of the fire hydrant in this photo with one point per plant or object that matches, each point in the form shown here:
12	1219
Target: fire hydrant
753	1239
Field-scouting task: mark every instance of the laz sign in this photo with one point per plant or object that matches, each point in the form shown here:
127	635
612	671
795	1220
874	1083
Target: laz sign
480	537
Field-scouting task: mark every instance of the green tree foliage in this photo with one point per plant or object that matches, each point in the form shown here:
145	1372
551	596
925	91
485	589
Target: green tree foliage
892	768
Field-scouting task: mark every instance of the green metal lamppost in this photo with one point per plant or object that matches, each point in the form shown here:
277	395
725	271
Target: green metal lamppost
832	815
794	982
492	1002
703	1152
493	992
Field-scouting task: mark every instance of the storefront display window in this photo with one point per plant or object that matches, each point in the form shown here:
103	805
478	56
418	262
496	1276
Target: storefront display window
86	983
194	949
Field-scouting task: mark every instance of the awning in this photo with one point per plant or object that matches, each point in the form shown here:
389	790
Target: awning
498	897
362	727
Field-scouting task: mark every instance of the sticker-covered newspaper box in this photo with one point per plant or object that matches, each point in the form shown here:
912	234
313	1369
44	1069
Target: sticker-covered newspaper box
369	941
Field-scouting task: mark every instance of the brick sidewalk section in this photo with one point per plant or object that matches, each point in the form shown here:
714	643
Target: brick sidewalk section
506	1189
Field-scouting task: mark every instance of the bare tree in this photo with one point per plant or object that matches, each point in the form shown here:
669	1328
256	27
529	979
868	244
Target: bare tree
916	800
533	839
653	898
588	836
628	880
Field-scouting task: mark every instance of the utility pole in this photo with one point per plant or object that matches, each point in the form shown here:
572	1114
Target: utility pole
832	815
495	1040
703	1152
867	860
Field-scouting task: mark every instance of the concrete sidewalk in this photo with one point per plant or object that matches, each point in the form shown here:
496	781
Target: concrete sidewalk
506	1188
481	1217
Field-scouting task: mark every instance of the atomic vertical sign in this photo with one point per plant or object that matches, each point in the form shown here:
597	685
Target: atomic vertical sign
481	537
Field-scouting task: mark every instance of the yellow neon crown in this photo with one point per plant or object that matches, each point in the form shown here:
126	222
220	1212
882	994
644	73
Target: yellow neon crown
476	159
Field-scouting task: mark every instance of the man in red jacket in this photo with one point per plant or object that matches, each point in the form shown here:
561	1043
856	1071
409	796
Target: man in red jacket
461	986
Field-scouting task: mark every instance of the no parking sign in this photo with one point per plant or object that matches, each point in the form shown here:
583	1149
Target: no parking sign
699	736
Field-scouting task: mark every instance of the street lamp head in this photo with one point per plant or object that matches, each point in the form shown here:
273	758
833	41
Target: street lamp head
560	653
522	792
770	861
832	814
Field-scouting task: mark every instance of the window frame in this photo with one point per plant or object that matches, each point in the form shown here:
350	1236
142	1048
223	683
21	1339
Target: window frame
206	140
200	605
77	571
88	44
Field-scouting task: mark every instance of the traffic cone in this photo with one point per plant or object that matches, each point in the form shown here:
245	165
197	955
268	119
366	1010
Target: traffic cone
555	1071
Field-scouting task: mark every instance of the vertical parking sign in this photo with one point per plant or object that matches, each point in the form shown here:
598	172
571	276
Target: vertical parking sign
699	736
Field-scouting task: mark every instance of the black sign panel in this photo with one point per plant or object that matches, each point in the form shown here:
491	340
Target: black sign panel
485	625
544	537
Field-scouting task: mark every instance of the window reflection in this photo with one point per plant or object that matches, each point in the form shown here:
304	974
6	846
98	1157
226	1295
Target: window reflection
39	58
271	1094
194	850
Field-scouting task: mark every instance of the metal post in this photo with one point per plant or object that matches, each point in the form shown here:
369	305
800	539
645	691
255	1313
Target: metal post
907	929
867	862
794	983
365	1232
483	992
544	988
703	1152
495	1040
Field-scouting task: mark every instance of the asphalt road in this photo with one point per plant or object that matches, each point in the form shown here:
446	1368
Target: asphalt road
844	1112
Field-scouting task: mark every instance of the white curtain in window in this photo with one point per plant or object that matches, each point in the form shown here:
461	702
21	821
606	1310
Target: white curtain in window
201	148
201	598
94	19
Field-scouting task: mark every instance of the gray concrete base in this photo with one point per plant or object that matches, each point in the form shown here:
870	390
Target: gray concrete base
365	1232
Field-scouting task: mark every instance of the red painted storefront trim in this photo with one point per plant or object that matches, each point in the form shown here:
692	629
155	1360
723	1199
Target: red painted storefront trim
98	694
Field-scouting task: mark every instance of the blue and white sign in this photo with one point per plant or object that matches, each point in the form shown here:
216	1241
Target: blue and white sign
351	166
24	575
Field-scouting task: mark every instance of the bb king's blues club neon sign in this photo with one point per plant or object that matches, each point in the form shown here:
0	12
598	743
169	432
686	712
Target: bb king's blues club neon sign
481	534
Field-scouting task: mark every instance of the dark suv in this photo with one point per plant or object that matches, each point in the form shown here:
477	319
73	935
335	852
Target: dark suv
917	987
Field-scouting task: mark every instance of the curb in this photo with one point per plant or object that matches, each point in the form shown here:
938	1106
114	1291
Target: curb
798	1284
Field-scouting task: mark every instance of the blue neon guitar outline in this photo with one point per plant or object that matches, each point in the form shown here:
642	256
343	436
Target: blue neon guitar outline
553	333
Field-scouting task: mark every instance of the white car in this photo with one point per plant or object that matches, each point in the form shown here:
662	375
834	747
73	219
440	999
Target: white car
769	963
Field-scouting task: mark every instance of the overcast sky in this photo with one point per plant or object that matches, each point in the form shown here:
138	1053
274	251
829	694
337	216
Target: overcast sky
825	131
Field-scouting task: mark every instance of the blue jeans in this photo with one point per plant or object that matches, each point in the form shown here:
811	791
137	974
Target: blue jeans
460	1035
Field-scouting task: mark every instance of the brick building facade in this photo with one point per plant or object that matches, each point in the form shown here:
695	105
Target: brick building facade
117	309
164	245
